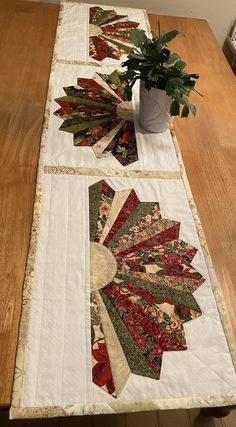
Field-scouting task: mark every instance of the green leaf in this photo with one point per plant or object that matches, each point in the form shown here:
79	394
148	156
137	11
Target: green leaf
153	74
138	37
128	93
133	64
180	64
174	108
174	72
192	109
128	76
137	77
194	76
148	84
182	98
185	111
136	56
172	58
124	64
164	55
167	37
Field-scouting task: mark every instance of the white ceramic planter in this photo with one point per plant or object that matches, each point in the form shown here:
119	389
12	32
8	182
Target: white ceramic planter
154	109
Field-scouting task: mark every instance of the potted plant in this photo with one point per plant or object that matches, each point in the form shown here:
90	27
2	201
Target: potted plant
165	86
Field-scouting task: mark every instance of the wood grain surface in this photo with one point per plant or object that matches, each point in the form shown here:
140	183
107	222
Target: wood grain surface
207	142
27	33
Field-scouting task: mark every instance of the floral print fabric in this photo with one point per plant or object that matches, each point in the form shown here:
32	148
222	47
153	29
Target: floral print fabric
150	296
97	114
109	34
102	374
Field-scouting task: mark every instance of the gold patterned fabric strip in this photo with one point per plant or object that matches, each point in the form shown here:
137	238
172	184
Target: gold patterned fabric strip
67	170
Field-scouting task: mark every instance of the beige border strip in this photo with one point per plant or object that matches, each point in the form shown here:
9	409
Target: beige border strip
67	170
117	408
75	62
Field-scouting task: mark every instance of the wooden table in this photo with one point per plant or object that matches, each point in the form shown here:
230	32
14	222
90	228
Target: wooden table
207	144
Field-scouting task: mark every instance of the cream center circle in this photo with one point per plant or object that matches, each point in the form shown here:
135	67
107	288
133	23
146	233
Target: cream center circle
103	266
124	110
94	30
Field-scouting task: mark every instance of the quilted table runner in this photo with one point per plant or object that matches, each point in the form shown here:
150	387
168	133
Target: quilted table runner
121	309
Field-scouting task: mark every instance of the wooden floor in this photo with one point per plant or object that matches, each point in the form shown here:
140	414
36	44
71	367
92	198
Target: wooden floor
180	418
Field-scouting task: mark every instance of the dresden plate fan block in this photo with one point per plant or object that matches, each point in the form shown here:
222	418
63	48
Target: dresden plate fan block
142	283
109	34
97	113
